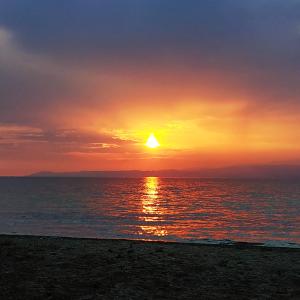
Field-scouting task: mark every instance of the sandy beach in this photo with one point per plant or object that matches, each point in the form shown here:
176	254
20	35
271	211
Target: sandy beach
68	268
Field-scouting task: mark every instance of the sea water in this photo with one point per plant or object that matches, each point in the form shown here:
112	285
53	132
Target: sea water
152	208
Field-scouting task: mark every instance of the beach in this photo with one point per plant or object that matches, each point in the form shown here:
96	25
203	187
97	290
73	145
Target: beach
34	267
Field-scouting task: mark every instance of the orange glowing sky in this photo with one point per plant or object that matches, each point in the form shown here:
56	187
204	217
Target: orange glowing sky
217	83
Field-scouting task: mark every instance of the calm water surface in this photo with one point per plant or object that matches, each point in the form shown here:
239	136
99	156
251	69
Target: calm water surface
152	208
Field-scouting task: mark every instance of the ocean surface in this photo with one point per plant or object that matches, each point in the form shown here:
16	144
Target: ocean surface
152	208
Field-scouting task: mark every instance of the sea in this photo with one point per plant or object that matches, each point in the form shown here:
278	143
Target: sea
166	209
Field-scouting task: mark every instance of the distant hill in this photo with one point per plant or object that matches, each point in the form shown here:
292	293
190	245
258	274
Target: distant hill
255	171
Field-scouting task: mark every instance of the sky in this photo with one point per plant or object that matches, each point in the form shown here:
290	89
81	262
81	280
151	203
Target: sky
83	84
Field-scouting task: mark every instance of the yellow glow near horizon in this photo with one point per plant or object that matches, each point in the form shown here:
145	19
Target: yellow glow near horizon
152	141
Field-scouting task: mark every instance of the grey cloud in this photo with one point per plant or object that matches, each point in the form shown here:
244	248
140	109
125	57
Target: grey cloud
59	140
138	29
253	46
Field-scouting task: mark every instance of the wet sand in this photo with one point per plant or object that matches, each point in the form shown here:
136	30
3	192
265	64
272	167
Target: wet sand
66	268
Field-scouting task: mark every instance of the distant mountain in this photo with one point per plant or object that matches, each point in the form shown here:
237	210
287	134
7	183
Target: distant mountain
255	171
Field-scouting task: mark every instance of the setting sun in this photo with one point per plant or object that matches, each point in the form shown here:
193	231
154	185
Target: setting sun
152	141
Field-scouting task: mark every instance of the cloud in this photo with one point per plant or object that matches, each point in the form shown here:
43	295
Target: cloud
60	141
74	72
109	55
29	84
149	28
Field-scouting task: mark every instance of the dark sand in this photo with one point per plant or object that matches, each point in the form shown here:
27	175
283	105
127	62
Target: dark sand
65	268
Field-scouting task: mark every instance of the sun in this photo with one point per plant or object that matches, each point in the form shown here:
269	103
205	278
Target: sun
152	141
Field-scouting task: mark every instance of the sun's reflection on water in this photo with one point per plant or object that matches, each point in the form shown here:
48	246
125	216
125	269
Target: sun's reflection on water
156	208
152	211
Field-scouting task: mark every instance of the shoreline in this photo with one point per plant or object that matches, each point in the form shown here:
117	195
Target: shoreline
206	242
51	267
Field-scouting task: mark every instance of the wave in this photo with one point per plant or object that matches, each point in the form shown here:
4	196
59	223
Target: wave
271	243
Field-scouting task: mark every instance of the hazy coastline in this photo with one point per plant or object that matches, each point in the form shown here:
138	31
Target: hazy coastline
278	171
